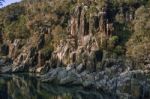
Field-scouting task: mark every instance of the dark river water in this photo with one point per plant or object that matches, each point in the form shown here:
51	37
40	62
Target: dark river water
23	86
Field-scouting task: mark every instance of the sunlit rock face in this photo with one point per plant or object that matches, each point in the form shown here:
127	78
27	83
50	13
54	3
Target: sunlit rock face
27	57
60	33
81	46
89	28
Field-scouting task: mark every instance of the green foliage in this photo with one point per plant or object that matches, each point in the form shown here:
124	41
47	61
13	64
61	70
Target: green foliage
58	34
51	16
112	42
139	44
120	18
47	50
129	2
14	20
119	50
123	31
17	29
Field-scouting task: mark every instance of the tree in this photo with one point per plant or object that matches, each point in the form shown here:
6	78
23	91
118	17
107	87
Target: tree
138	46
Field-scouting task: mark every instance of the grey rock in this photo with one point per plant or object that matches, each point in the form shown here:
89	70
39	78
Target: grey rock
41	69
70	78
80	68
2	62
70	67
6	69
62	74
19	68
51	76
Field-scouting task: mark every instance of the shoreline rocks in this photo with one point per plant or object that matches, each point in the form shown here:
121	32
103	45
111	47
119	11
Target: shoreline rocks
131	83
124	82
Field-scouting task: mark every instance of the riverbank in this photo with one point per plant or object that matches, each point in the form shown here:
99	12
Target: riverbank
27	86
129	84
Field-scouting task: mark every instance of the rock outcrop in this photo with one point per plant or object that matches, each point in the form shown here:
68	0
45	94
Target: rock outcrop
82	42
89	52
129	84
80	46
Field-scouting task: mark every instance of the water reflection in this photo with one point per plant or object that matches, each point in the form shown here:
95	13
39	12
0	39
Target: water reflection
28	87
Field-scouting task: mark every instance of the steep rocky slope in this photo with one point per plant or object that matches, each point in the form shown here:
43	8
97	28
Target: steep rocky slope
87	32
100	43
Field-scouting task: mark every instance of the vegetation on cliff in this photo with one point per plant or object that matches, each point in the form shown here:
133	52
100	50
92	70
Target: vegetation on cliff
127	21
103	44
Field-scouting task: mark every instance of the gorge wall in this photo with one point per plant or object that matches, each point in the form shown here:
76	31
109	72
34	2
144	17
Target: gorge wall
98	43
86	34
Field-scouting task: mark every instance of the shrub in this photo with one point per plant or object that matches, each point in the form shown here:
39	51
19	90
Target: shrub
112	42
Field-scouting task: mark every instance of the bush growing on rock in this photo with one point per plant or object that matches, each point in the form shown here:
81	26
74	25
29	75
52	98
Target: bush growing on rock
125	32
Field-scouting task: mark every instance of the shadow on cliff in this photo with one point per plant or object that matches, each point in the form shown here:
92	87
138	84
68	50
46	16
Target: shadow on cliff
123	32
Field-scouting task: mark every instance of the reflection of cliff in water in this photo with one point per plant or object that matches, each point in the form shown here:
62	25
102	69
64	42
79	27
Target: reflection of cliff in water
27	87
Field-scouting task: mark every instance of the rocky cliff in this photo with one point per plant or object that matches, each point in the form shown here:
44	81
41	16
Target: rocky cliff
86	31
99	43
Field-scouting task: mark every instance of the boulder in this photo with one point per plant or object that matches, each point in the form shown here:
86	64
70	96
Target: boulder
70	67
6	69
19	68
72	78
40	69
88	80
69	79
32	69
52	75
62	74
80	68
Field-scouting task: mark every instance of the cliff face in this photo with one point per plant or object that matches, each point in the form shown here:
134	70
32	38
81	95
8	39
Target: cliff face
82	44
36	35
98	43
